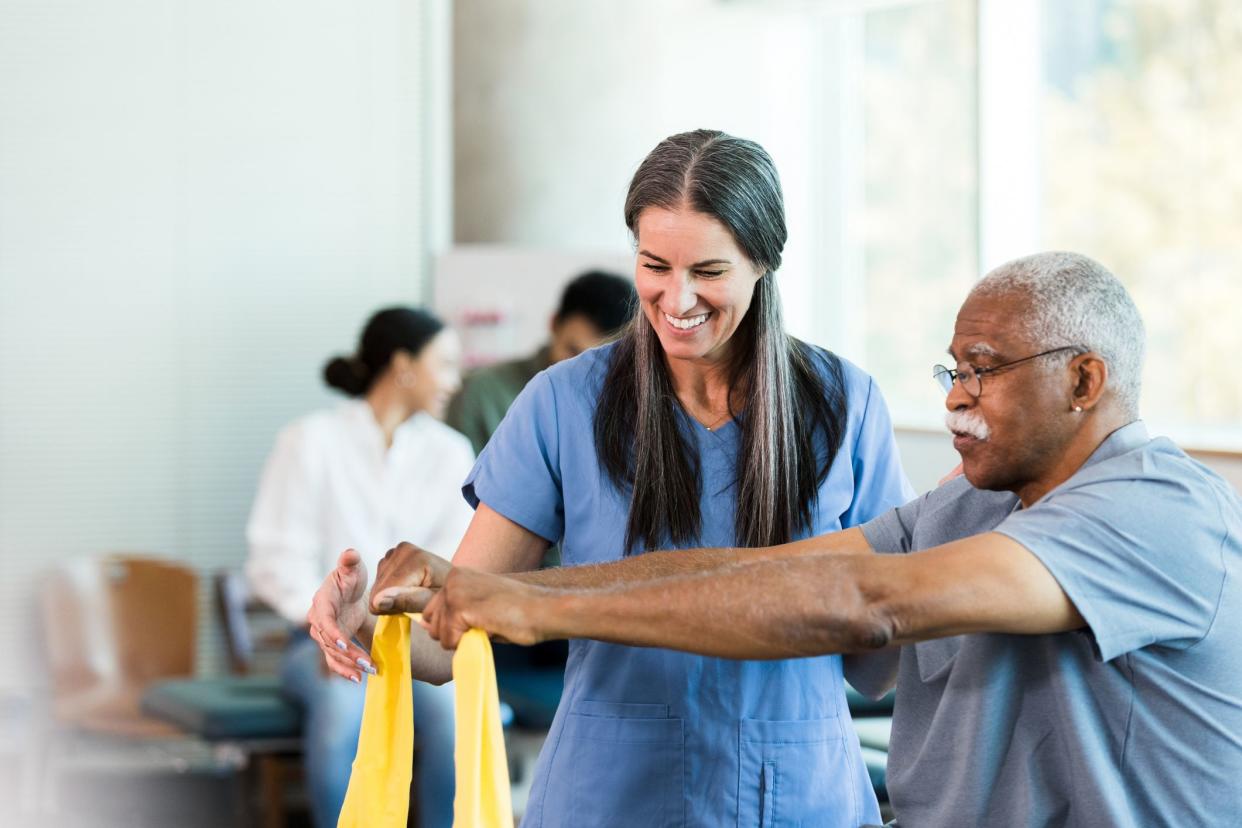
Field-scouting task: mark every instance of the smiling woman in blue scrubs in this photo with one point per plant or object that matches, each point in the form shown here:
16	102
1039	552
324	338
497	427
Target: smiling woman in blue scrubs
705	424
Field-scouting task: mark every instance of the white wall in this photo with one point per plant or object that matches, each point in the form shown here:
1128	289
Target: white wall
556	102
199	203
502	299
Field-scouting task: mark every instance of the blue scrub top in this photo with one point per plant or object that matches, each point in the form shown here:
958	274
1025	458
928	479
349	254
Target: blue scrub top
653	737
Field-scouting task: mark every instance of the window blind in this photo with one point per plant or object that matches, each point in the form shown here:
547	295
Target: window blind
199	204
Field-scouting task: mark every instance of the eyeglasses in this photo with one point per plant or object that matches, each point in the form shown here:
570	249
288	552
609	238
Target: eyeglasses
971	379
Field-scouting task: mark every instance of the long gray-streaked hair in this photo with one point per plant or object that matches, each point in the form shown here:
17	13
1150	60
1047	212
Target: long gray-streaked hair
792	420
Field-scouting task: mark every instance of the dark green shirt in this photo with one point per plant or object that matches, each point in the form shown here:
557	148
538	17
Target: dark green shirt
487	393
485	396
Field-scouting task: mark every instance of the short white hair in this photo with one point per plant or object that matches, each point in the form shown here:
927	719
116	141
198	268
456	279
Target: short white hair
1074	300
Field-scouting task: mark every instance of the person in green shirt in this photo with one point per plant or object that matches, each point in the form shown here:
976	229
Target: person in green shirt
593	307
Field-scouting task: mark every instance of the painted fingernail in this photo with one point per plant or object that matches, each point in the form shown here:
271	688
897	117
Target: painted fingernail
366	665
355	680
384	604
340	645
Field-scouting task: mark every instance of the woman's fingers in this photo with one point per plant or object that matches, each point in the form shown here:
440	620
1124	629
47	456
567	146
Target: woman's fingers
350	576
334	641
337	661
352	655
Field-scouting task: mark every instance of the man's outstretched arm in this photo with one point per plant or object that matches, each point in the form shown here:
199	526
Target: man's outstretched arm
801	606
393	595
652	565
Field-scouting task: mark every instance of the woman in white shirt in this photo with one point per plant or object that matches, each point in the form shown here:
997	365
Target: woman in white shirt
377	467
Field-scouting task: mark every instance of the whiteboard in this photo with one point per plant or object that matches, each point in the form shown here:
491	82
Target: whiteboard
501	298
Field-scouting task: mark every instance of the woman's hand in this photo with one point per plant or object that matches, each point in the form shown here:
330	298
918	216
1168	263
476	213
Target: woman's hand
505	608
338	612
406	580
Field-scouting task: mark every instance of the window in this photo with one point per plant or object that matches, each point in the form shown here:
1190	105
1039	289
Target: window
919	236
1140	117
995	128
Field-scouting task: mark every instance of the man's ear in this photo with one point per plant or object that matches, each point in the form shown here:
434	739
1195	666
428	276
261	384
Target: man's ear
1090	376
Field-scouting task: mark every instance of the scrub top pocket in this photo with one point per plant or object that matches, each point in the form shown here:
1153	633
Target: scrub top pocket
625	764
792	773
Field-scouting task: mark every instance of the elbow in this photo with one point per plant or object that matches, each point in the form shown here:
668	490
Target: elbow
870	634
869	629
862	630
438	678
871	621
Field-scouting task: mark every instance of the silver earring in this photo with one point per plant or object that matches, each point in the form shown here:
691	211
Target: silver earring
1078	409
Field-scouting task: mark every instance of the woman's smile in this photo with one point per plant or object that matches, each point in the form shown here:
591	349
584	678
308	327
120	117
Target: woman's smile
686	325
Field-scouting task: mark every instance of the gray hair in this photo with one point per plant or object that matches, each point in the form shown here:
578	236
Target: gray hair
1074	300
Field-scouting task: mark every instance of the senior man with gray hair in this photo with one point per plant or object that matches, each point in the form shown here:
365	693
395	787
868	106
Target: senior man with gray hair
1069	609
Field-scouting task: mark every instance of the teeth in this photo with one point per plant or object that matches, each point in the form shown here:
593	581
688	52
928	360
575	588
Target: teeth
688	323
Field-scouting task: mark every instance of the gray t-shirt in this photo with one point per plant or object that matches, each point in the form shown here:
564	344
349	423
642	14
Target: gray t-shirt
1134	721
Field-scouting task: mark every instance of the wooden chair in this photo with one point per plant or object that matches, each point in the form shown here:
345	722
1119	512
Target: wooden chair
114	625
245	710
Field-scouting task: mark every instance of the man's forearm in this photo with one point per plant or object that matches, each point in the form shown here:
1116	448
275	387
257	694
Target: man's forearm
653	565
759	610
429	661
636	569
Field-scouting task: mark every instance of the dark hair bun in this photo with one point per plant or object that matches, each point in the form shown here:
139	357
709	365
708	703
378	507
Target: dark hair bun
386	332
347	374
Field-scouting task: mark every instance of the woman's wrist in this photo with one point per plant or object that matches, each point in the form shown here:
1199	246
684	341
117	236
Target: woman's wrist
366	632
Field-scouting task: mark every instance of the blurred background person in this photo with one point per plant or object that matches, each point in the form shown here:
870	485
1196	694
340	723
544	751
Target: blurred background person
378	466
594	306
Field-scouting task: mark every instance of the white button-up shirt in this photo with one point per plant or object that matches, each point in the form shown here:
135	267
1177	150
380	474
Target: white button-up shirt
330	484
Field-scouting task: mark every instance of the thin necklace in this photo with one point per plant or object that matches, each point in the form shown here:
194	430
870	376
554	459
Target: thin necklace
718	423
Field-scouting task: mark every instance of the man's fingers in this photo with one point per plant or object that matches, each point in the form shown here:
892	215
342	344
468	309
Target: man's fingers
396	600
956	471
430	620
349	559
453	625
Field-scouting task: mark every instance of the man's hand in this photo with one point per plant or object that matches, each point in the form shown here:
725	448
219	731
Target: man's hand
957	470
507	609
406	579
338	611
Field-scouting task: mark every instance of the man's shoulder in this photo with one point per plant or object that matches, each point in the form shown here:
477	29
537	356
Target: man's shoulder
1156	468
507	378
957	509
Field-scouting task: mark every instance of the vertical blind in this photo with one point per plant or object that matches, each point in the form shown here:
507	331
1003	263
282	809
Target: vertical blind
199	204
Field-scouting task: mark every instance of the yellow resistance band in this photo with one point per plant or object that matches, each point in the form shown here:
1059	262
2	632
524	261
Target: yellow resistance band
379	787
482	770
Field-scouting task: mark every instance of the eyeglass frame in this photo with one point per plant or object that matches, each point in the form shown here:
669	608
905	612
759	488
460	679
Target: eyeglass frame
952	373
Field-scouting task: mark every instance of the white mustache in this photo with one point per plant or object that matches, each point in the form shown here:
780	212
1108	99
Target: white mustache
967	422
